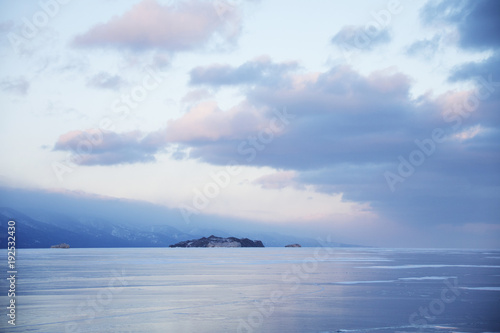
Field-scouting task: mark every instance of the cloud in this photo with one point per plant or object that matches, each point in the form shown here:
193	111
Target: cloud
476	21
98	147
424	47
469	133
196	95
337	112
360	37
161	61
477	25
261	70
203	123
488	69
277	180
15	85
150	25
105	80
206	122
349	129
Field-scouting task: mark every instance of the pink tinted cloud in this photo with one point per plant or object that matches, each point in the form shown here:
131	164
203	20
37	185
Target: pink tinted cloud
171	27
203	122
207	122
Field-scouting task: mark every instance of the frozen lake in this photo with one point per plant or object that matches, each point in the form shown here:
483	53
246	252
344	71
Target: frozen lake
255	290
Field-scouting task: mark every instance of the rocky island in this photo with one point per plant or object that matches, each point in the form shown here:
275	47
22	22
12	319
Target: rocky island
60	246
293	245
214	241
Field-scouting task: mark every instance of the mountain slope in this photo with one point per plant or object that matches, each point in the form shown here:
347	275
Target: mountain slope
33	233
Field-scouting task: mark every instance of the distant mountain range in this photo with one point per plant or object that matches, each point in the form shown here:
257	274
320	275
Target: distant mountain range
87	232
47	218
32	233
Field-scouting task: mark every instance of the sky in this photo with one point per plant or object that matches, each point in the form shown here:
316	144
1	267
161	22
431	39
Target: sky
375	122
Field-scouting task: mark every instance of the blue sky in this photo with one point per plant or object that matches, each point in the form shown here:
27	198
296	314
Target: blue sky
373	121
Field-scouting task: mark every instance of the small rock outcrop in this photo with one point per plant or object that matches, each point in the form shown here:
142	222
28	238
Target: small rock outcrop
60	246
214	241
293	245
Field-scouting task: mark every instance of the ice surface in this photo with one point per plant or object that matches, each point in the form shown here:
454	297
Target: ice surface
368	282
254	290
483	288
432	266
429	278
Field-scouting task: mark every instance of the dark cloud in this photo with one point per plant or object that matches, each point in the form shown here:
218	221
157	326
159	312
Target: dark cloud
258	71
348	130
335	114
15	85
476	21
478	24
98	147
455	185
361	37
105	80
150	25
488	69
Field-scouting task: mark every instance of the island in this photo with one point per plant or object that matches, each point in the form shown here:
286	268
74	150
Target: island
60	246
293	245
214	241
